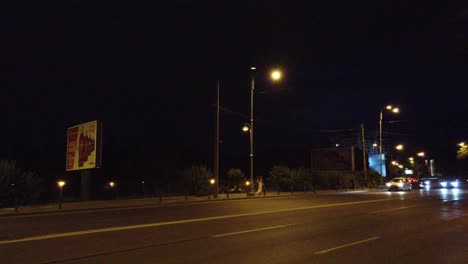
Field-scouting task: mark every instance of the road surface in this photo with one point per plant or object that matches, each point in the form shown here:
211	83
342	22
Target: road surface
420	226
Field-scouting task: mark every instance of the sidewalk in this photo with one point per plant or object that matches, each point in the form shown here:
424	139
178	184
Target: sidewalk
142	202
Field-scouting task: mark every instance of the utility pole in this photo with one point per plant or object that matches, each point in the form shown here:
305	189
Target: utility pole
364	154
252	90
216	158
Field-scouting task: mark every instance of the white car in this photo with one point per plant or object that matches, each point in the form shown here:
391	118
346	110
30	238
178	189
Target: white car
399	184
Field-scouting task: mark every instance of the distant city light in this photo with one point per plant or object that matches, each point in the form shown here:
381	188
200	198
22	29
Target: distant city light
408	172
421	154
399	147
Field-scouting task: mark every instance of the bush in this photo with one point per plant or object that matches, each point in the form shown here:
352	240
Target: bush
196	180
24	186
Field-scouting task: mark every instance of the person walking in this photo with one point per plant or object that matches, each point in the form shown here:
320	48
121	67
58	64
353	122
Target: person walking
260	186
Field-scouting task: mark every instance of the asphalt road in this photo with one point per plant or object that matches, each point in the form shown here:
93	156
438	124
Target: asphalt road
363	227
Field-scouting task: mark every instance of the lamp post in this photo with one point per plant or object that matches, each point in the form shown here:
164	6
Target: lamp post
212	182
275	75
395	110
247	187
60	184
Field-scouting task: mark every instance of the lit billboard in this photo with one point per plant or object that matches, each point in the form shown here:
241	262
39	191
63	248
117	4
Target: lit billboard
83	146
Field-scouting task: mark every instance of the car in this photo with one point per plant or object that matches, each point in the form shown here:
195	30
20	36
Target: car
450	182
429	183
398	184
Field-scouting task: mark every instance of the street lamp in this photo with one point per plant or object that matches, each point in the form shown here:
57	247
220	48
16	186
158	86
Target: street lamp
212	182
247	187
60	184
275	75
399	147
395	110
421	154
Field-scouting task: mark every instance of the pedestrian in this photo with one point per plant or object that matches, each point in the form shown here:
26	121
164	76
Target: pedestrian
260	186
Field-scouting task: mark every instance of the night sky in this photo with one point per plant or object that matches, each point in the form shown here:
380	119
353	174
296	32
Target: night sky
148	70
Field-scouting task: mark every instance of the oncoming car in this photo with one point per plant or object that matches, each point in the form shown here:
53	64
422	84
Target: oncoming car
429	183
399	184
450	183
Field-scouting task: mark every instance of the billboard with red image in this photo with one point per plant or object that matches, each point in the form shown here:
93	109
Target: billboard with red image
83	146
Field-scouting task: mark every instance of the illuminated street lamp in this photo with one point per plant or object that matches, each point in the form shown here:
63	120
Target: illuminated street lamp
461	144
212	182
60	184
245	128
421	154
247	187
275	75
394	162
395	110
399	147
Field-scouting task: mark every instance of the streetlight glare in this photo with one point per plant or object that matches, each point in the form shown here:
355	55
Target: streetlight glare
276	75
461	144
253	68
389	107
421	154
111	184
61	183
212	181
247	183
245	129
399	147
396	110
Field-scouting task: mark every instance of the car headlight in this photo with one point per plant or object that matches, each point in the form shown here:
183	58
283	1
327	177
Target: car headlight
427	182
444	184
400	184
454	184
388	184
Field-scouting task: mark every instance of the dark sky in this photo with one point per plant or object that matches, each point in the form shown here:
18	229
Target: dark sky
148	70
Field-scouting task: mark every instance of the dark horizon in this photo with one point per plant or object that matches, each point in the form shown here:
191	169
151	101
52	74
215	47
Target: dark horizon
149	73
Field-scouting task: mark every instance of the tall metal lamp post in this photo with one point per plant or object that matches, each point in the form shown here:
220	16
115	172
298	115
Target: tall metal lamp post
275	75
392	109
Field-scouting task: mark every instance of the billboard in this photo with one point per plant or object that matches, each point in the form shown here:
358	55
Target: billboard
374	163
84	146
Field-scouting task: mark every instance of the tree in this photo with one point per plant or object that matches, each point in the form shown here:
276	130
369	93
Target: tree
195	180
280	176
234	177
17	186
301	178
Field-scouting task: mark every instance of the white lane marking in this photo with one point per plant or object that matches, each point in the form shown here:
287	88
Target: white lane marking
121	228
393	209
347	245
252	230
448	219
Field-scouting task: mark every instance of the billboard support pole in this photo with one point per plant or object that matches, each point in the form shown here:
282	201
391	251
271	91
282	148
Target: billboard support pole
85	185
